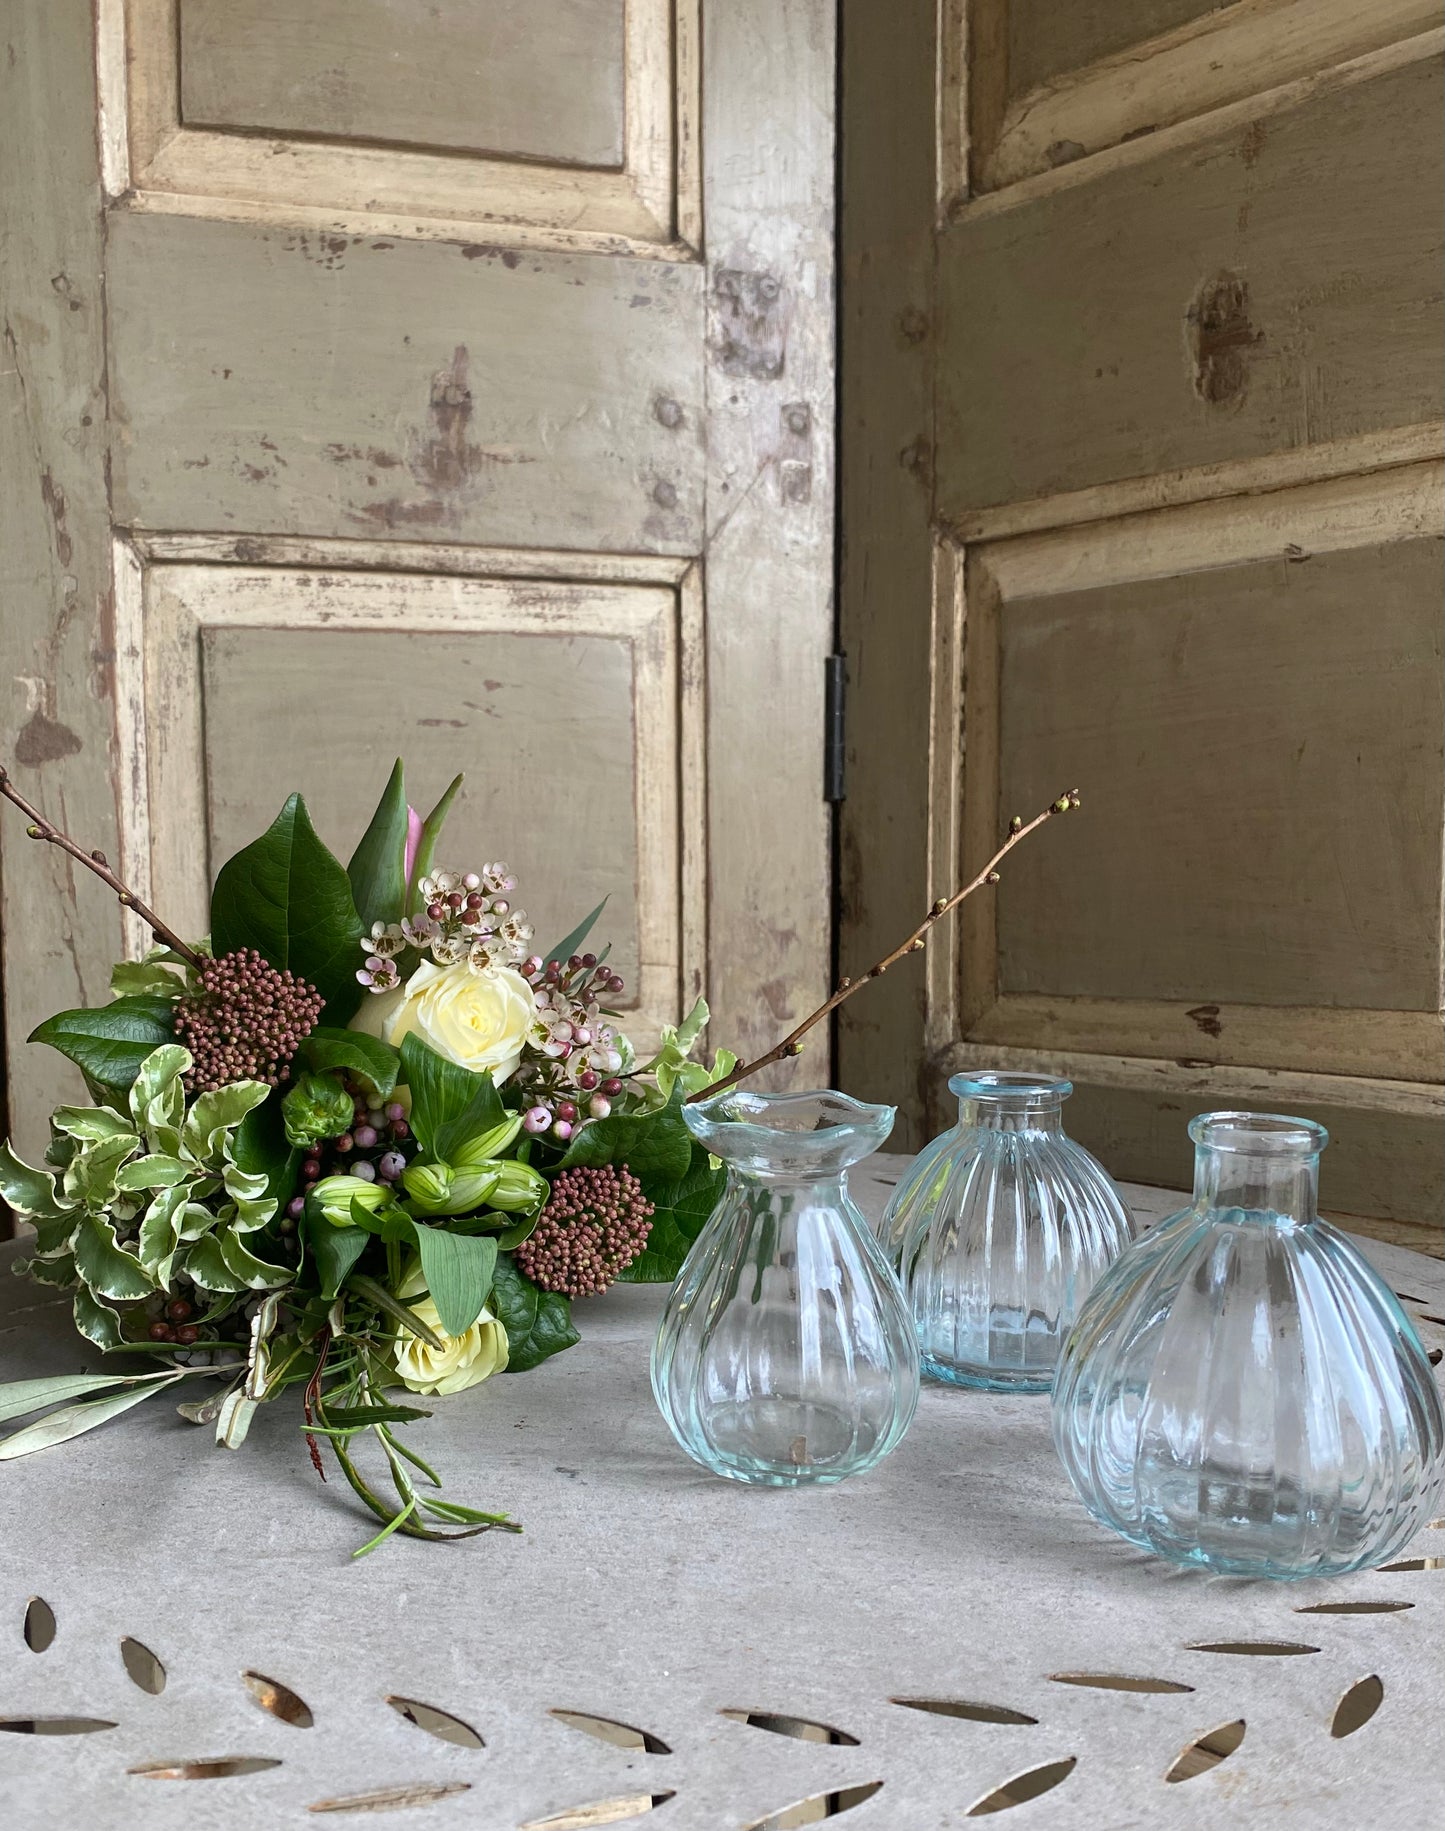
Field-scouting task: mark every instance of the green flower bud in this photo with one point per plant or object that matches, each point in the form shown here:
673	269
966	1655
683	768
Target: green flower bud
437	1188
518	1188
488	1145
318	1106
332	1197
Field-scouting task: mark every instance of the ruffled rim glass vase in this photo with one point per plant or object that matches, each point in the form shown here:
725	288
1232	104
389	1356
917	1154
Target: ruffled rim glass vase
785	1354
999	1229
1242	1390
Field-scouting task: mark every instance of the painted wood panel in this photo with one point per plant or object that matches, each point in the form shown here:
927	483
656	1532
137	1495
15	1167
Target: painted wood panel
1048	40
544	82
277	381
1219	301
565	703
1263	745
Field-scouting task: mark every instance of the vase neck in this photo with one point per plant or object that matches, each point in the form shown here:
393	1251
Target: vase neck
999	1102
1260	1165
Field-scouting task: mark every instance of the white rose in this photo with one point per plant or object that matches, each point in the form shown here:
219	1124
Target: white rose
478	1020
461	1361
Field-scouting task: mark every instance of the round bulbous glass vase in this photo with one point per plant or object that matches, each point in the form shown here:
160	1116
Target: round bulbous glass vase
998	1230
1242	1391
785	1355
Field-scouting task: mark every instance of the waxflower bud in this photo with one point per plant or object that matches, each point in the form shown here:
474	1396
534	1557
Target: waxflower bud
333	1196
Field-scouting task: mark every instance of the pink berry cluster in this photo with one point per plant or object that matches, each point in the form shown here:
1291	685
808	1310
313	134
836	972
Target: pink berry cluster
595	1224
573	1064
374	1149
246	1022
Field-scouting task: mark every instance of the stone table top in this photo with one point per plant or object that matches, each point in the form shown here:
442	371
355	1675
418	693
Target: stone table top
961	1574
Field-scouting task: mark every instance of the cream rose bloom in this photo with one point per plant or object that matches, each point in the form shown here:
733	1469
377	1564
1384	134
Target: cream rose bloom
462	1361
478	1020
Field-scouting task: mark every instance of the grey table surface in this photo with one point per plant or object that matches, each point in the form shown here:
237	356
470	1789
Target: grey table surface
649	1594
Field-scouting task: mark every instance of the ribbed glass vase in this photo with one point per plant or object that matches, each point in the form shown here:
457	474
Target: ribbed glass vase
998	1230
785	1355
1242	1391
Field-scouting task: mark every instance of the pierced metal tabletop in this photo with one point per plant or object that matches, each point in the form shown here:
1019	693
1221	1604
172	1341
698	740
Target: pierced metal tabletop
911	1646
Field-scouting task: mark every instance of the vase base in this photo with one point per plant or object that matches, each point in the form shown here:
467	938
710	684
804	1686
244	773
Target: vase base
785	1443
986	1379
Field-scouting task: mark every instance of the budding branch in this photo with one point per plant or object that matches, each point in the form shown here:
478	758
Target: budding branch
791	1044
41	828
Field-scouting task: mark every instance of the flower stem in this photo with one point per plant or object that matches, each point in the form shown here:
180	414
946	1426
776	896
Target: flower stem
792	1043
41	828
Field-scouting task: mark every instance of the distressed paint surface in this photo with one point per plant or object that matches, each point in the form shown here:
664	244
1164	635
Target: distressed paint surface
57	642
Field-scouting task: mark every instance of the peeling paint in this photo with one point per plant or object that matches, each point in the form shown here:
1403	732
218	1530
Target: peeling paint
1220	337
1207	1018
751	314
45	740
54	499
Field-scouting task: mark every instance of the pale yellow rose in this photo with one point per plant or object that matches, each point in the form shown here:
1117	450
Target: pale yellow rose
461	1361
478	1020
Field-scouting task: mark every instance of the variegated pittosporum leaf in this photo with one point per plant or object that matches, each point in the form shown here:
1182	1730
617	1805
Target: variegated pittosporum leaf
137	1196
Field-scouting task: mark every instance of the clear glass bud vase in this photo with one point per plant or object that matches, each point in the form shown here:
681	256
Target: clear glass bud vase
999	1229
1242	1390
785	1354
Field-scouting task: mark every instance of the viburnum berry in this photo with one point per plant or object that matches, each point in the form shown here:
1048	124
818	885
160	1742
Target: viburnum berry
246	1023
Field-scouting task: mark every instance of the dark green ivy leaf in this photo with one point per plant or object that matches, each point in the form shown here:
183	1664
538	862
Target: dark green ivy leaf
681	1214
335	1251
289	898
538	1322
655	1146
109	1043
366	1058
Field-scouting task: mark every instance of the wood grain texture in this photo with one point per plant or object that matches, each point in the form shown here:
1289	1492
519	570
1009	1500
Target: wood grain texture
545	82
1134	77
1217	302
768	198
1268	784
887	351
1384	1168
273	381
484	675
60	928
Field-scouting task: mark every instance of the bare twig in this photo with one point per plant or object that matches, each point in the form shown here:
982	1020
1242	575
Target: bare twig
41	828
1019	829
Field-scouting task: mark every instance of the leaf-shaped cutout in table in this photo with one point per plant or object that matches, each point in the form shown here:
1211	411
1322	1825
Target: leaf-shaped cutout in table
818	1806
801	1729
600	1812
54	1726
1358	1705
1025	1786
39	1629
144	1669
1207	1751
1415	1564
439	1723
966	1708
1276	1649
617	1735
1354	1608
1118	1681
279	1700
206	1767
393	1798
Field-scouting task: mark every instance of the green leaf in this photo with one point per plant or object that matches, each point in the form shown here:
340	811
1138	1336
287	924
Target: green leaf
259	1149
538	1322
157	1171
680	1217
358	1417
366	1057
29	1192
20	1396
458	1269
92	1173
108	1269
289	898
334	1250
378	865
256	1274
74	1420
91	1123
234	1418
59	1272
145	979
160	1234
656	1146
108	1044
372	1292
431	831
96	1321
565	948
316	1107
205	1264
218	1112
449	1105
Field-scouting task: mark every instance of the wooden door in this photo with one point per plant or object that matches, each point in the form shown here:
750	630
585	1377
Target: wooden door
1142	493
447	378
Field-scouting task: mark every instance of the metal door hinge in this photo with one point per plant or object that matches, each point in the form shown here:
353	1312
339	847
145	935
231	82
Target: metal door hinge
835	697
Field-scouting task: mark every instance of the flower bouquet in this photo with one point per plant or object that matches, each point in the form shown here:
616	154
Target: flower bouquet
362	1140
